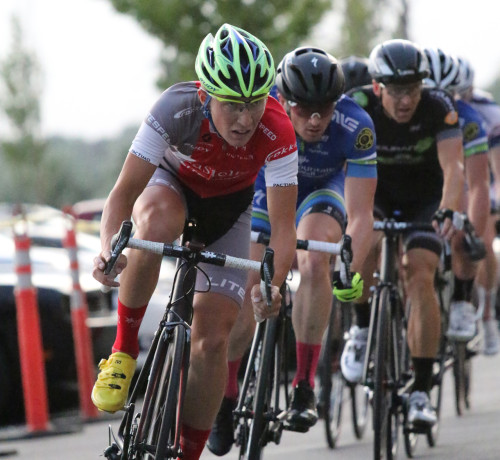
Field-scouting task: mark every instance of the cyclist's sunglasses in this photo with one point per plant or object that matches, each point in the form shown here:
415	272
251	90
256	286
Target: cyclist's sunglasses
253	105
308	111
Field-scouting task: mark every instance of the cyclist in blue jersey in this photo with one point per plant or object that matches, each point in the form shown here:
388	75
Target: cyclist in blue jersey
337	176
486	281
444	74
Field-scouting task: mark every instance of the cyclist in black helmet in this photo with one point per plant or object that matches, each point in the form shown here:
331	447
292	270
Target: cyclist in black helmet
356	72
337	176
420	177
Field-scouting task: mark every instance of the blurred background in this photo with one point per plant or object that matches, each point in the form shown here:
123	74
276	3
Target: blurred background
77	77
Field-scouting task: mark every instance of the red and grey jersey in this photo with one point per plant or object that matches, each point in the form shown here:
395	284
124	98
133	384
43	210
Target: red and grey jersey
178	137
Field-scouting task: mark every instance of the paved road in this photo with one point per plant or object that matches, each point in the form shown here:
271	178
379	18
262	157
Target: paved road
476	435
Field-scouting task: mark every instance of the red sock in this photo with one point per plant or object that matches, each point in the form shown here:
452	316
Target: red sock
193	442
232	379
307	362
127	331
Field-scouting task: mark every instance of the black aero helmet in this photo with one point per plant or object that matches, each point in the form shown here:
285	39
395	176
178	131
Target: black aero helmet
355	72
310	76
398	61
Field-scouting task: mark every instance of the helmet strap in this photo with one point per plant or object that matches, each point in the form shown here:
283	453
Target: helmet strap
206	112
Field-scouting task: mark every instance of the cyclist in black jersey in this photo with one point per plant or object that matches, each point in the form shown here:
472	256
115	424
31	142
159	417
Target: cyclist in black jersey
197	155
420	171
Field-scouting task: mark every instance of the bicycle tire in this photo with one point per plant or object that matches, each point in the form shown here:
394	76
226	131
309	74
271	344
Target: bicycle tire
436	393
262	400
330	376
242	428
169	440
360	405
161	429
150	396
383	414
460	376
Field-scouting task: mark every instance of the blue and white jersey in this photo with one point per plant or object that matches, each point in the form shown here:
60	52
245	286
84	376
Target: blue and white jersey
346	149
348	142
475	139
484	103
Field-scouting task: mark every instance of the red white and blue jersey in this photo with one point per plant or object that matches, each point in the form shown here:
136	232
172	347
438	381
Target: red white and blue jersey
178	137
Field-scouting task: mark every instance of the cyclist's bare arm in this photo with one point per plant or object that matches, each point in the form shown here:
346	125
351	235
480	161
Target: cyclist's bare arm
359	196
130	184
281	205
450	154
478	188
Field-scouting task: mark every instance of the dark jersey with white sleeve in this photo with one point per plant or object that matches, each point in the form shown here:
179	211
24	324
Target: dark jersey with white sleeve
407	160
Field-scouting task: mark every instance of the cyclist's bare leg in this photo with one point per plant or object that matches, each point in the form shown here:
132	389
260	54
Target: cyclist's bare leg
424	323
313	299
463	268
214	316
159	215
244	327
487	270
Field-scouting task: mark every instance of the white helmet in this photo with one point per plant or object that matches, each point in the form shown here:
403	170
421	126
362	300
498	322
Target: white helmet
444	69
465	75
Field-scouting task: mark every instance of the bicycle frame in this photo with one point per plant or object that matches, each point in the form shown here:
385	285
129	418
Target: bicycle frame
154	432
259	418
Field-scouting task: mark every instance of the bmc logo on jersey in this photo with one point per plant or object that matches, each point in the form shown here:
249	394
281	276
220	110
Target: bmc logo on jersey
347	122
281	152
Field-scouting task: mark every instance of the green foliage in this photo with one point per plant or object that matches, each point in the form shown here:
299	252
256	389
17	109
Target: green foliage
182	24
73	170
24	150
494	89
365	24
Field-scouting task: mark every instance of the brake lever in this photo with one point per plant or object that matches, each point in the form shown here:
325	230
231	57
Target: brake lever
266	275
118	244
346	259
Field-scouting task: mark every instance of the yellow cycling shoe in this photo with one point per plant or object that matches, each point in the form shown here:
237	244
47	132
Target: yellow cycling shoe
113	382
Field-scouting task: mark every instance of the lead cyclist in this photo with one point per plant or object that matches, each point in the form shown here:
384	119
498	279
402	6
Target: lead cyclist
197	155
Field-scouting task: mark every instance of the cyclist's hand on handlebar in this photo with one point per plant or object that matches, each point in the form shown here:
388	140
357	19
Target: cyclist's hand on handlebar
442	221
100	265
259	303
347	294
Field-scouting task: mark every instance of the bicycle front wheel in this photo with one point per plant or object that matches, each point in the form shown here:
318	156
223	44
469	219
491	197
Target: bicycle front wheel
384	414
257	437
360	404
461	374
160	418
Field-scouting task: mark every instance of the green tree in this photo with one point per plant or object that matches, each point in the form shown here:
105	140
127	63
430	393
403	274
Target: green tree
368	22
24	149
182	24
494	89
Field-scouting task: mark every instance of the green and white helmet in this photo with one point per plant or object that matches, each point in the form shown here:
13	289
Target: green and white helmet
235	64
